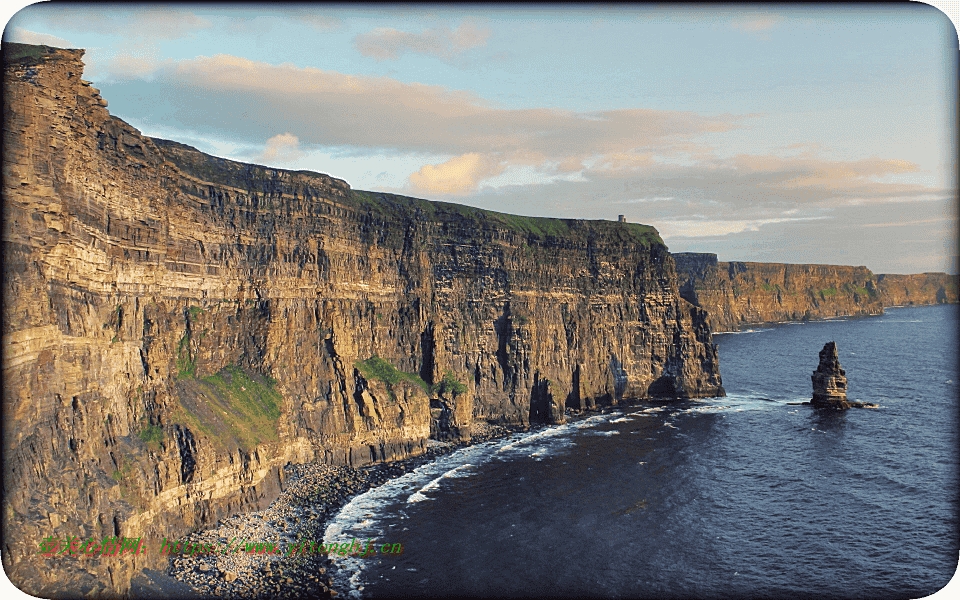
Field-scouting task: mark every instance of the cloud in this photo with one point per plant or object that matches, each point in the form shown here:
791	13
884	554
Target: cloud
459	175
385	43
318	22
147	22
242	98
690	228
282	148
134	60
606	156
755	24
25	36
166	23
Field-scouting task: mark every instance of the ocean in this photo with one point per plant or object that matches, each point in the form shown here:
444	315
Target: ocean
745	496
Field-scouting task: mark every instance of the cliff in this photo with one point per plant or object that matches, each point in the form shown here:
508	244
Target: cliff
921	289
737	294
178	326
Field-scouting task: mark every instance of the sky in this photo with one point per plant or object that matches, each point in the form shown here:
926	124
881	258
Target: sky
821	133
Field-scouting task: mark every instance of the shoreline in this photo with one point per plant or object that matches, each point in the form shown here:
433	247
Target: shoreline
313	495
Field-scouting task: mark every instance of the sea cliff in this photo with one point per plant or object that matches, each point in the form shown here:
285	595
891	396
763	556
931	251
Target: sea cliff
178	327
920	289
738	294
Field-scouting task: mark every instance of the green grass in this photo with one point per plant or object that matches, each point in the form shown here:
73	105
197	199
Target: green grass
830	291
252	408
151	435
450	383
186	367
377	368
195	311
401	207
234	404
129	488
27	54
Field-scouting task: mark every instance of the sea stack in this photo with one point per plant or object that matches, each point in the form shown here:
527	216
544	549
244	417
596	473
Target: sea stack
829	380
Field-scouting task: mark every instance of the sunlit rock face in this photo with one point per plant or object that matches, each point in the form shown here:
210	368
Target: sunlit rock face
829	380
736	294
919	289
739	294
178	326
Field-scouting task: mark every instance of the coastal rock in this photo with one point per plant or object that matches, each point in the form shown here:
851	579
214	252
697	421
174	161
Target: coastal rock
919	289
740	294
829	380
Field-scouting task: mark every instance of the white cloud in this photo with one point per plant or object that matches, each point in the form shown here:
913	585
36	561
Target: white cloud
386	43
689	228
25	36
280	149
459	175
756	24
318	22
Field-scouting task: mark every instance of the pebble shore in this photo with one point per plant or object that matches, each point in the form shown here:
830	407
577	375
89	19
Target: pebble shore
314	493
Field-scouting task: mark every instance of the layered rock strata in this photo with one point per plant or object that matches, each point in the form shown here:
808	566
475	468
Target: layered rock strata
917	290
829	380
178	326
739	294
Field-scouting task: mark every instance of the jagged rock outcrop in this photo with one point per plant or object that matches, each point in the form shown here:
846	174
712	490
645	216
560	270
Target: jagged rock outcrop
178	326
829	380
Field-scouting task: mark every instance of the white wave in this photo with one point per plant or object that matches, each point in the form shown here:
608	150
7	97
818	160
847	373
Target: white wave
620	420
359	517
459	471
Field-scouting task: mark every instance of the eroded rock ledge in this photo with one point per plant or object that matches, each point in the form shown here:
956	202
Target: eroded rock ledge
178	326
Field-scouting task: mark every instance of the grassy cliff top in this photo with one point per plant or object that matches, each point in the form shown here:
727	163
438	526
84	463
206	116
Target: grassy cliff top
538	227
263	179
30	54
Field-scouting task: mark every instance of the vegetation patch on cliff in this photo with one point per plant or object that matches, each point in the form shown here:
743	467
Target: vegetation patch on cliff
152	435
232	405
377	368
450	384
28	54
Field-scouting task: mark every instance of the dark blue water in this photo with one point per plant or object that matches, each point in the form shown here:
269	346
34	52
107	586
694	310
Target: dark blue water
743	496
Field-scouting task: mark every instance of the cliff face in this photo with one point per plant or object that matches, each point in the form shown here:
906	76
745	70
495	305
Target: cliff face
741	293
920	289
177	327
736	294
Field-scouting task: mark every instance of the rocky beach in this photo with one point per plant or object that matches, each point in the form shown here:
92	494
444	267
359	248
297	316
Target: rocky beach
313	494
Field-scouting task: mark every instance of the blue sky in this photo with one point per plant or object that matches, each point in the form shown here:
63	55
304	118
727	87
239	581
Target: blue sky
778	133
